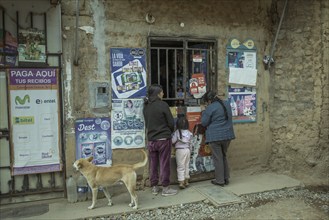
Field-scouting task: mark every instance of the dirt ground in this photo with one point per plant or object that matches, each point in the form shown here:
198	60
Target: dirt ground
308	206
284	209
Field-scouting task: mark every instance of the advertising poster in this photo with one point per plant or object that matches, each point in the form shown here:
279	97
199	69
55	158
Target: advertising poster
31	46
93	139
200	160
128	127
198	85
34	120
128	72
242	65
243	104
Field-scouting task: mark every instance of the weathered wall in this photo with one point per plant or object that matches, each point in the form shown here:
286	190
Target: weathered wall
299	108
122	24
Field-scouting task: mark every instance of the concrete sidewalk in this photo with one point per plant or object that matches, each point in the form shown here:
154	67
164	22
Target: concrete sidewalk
199	191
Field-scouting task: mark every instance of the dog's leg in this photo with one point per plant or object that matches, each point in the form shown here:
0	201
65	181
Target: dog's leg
94	192
108	196
130	183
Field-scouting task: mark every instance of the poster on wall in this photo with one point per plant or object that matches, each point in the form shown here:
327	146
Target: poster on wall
128	72
34	120
128	127
198	85
243	104
31	46
242	65
200	160
93	139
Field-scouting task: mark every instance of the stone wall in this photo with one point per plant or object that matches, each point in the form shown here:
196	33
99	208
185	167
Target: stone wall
299	108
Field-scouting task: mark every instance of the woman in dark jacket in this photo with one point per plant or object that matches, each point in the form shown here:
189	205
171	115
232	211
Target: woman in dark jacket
217	118
160	125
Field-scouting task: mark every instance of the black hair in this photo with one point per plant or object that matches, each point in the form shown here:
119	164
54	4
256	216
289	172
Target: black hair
182	124
212	97
152	93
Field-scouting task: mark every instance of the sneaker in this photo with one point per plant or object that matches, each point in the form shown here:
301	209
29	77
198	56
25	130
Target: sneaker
167	191
155	190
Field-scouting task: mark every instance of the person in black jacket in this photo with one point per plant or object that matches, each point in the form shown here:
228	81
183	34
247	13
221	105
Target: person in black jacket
160	125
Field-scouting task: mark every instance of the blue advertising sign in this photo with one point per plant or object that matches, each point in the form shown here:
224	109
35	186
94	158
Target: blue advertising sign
93	139
128	72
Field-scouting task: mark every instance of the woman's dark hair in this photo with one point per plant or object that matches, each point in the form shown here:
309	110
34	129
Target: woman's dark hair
152	93
181	124
212	97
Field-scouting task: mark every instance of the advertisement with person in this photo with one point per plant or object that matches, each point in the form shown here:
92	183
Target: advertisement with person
93	139
128	72
128	127
198	85
34	120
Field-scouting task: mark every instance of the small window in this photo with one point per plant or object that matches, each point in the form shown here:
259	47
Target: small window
172	63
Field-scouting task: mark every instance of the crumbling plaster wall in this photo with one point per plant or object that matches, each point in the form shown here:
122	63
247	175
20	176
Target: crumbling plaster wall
122	24
299	108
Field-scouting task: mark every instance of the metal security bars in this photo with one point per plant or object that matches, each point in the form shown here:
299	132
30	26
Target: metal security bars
172	61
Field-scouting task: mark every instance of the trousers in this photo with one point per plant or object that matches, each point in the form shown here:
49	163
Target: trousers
159	155
219	150
183	163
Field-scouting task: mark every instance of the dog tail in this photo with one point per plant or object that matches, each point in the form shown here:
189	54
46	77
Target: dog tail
143	163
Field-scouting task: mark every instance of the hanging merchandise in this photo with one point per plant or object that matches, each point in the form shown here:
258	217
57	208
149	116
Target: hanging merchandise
198	85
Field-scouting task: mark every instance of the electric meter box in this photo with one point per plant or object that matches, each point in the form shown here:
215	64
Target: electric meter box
99	95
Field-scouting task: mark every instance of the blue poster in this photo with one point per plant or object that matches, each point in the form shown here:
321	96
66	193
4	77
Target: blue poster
128	72
93	138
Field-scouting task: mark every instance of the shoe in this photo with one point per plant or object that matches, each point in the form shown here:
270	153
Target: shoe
182	184
155	190
218	184
226	182
186	183
167	191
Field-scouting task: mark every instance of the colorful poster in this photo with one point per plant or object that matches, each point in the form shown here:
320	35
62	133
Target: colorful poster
200	160
242	64
128	127
34	120
93	139
128	72
198	85
243	104
31	46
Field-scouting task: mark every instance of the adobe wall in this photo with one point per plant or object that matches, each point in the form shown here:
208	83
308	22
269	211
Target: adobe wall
295	136
299	90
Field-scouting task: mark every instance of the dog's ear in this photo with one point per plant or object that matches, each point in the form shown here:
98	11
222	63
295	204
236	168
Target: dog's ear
78	164
90	159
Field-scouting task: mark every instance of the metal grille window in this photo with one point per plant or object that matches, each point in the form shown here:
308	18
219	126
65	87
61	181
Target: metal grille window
172	63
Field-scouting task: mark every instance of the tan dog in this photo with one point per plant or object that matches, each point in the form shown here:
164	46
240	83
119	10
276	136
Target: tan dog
105	176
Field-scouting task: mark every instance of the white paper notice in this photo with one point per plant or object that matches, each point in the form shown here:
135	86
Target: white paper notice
243	76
